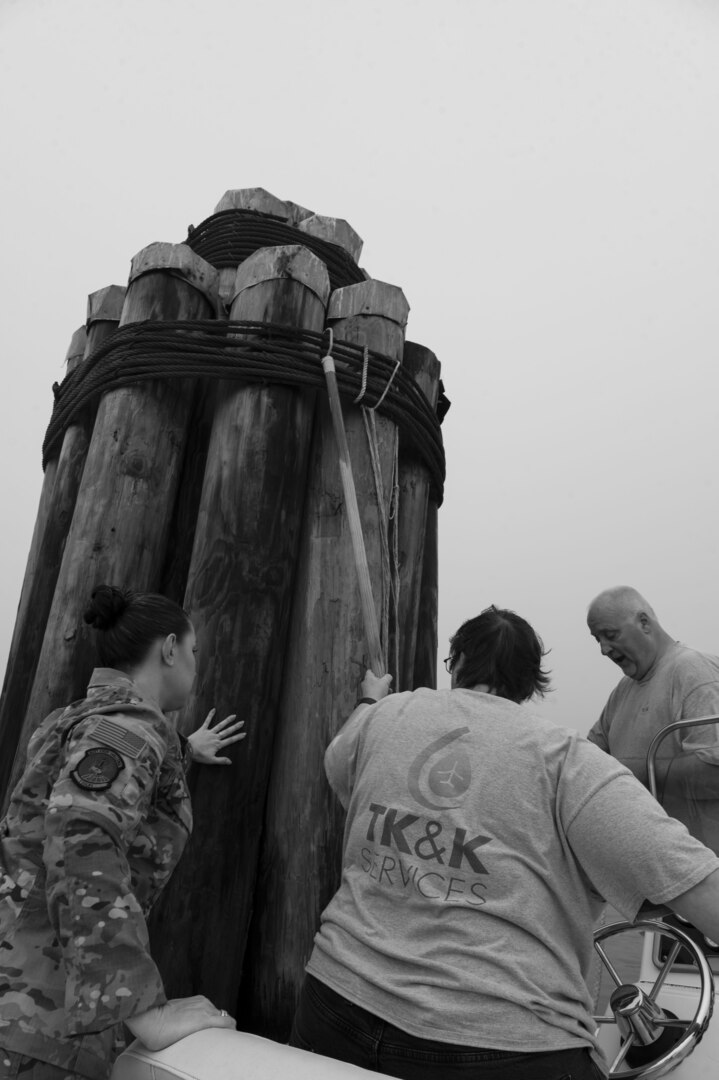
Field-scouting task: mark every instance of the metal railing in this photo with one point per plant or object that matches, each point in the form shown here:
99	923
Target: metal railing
659	738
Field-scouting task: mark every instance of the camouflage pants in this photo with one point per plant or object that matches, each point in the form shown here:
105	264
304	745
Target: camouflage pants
18	1067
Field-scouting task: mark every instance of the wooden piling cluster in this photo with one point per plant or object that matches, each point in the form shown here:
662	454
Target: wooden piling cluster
227	496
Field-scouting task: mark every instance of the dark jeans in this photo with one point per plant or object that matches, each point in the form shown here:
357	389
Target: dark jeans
328	1024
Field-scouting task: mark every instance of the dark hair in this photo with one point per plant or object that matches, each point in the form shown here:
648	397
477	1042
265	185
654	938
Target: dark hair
128	623
501	649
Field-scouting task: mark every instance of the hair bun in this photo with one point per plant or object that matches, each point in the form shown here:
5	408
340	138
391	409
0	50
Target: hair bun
106	607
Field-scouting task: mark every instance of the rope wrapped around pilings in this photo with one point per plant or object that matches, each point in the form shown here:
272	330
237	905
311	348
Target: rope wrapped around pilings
249	352
228	238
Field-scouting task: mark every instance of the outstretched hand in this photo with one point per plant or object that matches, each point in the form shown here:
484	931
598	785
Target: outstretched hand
208	742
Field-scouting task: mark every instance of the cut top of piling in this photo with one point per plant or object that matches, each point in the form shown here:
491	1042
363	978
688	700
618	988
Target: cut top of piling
180	261
105	305
76	348
284	261
264	202
369	298
335	230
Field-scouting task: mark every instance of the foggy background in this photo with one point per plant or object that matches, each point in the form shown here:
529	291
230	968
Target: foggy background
541	177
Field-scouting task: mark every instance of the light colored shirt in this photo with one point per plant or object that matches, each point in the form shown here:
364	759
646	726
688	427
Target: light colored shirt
479	839
683	685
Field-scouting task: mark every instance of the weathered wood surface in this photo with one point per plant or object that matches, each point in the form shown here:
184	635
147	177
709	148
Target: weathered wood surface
335	230
22	656
326	659
119	530
173	581
425	657
238	595
297	213
103	314
256	198
263	202
411	522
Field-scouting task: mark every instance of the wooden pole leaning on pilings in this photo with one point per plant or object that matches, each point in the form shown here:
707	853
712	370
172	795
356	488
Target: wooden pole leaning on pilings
238	596
326	660
29	620
411	522
364	581
119	530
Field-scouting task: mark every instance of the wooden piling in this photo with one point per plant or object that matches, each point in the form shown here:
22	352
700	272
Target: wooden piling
22	657
411	522
104	310
256	198
326	659
262	202
425	656
73	357
103	314
173	580
238	596
119	530
296	212
335	230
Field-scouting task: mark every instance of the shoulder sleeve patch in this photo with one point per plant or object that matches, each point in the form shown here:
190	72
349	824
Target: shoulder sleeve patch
98	769
111	733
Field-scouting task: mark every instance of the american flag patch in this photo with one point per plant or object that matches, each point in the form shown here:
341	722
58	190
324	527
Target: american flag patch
110	733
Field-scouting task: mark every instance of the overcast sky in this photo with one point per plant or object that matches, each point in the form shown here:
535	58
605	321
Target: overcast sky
541	177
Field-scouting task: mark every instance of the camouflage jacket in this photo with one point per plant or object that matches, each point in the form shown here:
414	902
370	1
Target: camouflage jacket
93	831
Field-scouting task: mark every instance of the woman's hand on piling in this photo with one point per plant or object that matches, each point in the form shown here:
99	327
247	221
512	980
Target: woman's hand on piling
207	742
375	686
166	1024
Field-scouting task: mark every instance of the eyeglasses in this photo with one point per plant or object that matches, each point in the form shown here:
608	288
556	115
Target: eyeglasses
449	663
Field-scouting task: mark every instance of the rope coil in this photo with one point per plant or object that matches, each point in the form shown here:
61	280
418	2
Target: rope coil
228	238
249	352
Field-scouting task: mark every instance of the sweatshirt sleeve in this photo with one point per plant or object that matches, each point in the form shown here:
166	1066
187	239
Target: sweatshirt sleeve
103	792
597	734
341	754
630	849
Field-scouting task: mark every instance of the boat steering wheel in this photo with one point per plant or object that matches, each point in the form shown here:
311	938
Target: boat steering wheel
652	1035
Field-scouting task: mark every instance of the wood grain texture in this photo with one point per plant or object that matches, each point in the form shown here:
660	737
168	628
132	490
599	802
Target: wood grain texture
120	525
239	593
326	659
39	581
335	231
411	523
425	655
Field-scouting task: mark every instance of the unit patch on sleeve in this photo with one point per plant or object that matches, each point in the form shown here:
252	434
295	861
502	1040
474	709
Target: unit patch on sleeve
110	733
98	769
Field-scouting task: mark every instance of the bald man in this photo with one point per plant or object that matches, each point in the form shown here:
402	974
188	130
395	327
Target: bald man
663	681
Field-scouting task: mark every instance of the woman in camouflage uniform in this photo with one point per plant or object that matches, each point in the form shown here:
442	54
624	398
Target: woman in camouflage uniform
93	831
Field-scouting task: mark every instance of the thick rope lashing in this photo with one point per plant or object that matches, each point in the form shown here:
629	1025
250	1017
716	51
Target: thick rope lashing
228	238
250	352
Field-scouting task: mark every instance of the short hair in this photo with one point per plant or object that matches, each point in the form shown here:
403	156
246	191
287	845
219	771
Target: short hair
128	623
501	649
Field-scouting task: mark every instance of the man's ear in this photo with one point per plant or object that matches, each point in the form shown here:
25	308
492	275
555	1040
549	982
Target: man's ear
168	649
644	621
